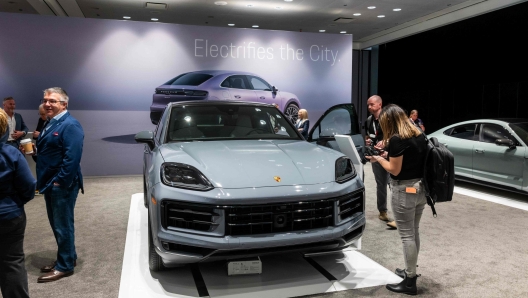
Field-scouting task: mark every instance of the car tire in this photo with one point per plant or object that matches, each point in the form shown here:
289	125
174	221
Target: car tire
155	262
292	112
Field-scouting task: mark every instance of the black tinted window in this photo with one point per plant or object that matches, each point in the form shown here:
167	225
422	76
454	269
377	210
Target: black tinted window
466	132
236	82
190	79
521	129
492	132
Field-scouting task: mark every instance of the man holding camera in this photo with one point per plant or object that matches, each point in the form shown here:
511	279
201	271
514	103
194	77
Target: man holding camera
373	137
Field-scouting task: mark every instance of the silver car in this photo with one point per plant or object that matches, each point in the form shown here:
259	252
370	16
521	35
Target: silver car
235	179
492	152
222	85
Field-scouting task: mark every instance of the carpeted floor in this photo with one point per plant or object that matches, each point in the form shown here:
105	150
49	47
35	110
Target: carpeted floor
474	248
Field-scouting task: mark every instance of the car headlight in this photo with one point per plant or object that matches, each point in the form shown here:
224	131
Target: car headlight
184	176
344	170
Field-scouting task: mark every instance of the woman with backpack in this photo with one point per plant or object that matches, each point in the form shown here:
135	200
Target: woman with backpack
406	149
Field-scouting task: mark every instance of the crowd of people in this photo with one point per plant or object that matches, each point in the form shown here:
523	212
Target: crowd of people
57	151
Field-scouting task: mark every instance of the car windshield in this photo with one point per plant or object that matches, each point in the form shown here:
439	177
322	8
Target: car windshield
227	121
189	79
521	129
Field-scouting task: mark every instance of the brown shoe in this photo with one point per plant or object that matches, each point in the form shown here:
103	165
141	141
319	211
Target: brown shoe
392	224
383	216
51	267
53	276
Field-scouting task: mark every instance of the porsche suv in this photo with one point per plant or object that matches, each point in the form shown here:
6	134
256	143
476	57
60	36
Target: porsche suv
222	85
227	179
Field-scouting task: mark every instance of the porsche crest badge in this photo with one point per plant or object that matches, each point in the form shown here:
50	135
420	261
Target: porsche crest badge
277	178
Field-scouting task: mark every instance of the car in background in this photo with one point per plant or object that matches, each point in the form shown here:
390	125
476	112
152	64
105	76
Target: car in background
222	85
225	179
492	152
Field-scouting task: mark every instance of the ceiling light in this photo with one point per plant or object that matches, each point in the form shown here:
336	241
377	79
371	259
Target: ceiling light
357	14
154	19
255	26
371	7
220	3
126	17
231	25
278	7
249	5
342	32
322	30
288	0
381	16
397	9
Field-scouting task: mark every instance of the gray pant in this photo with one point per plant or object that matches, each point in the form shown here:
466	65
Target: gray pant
382	179
408	209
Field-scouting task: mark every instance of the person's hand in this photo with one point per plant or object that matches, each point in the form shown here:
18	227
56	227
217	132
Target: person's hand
384	154
56	184
379	145
368	142
21	148
372	159
17	134
422	127
36	134
300	129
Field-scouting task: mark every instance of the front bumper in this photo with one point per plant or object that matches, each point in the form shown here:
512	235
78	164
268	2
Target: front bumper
179	246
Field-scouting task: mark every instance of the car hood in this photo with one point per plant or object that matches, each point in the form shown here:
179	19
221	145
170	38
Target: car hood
256	163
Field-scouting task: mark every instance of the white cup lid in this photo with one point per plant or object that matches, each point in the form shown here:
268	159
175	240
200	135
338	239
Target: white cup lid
24	141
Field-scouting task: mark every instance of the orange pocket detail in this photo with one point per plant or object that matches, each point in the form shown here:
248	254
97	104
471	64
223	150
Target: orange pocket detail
410	190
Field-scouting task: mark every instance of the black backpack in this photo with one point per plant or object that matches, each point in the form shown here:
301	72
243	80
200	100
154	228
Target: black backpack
439	173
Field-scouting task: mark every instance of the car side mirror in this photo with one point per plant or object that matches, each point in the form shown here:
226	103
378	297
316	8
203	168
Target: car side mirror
146	137
506	142
274	90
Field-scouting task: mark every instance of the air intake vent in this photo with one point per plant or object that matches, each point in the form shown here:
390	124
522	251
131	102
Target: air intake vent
191	217
349	206
343	20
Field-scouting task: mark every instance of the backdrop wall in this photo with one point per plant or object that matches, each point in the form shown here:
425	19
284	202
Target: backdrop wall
110	69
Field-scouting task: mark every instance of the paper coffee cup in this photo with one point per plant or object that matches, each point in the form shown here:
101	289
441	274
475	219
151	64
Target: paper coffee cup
28	146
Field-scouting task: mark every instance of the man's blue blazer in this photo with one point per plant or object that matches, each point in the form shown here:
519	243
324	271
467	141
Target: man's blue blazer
59	151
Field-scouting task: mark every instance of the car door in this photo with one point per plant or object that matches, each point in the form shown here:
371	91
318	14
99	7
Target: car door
495	163
338	120
263	91
239	88
460	141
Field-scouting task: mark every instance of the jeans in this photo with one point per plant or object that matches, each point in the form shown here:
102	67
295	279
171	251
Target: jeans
13	275
408	209
60	203
382	179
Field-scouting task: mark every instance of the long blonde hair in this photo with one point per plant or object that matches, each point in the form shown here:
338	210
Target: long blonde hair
3	122
394	121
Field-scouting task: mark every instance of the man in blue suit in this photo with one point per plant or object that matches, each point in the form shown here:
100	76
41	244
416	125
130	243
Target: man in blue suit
59	150
17	128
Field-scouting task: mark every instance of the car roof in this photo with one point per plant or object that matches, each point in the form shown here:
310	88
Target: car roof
221	72
217	102
512	120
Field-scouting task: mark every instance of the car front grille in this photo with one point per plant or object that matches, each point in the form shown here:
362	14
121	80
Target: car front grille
263	218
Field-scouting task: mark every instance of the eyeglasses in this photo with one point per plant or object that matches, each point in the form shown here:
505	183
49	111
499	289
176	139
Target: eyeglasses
51	101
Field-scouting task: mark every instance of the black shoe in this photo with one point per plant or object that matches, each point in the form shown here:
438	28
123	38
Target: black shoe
407	286
400	272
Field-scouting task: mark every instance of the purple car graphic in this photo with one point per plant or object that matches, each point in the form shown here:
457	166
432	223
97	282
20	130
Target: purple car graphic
222	85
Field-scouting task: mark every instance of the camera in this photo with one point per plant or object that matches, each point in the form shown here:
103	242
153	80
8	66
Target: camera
371	151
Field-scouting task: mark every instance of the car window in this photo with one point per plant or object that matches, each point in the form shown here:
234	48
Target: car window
521	129
189	79
221	121
259	84
491	132
236	82
466	132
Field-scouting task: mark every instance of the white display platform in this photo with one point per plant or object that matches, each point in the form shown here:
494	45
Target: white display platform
286	275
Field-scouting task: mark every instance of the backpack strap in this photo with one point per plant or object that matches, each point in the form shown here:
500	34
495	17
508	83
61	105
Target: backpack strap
431	203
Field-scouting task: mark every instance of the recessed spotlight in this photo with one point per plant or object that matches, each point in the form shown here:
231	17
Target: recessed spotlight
357	14
249	5
220	3
322	30
255	26
278	7
154	19
397	9
231	25
371	7
381	16
288	0
126	17
342	32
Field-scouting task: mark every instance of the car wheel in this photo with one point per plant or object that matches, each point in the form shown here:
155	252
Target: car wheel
155	262
292	112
